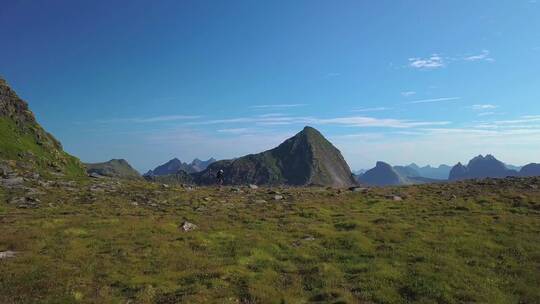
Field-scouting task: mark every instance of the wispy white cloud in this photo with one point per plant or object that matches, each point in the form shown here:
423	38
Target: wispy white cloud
277	106
408	93
443	99
375	109
483	56
346	121
271	115
150	119
486	113
235	131
482	107
435	61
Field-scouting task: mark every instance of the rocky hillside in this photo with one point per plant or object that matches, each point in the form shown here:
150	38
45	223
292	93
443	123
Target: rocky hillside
117	168
304	159
481	167
24	145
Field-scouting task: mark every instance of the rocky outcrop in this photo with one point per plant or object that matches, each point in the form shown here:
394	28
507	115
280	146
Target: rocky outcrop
23	140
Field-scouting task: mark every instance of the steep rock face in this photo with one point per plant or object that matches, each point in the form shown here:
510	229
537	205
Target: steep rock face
118	168
481	167
304	159
530	170
382	175
23	140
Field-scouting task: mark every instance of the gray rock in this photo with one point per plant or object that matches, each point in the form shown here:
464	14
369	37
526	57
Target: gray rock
358	189
187	226
254	187
25	202
395	198
278	197
12	182
260	201
95	175
7	254
5	169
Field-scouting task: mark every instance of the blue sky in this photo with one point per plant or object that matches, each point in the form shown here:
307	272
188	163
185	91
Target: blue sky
401	81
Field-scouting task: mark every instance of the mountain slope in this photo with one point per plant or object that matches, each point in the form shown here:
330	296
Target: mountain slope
304	159
200	165
382	175
530	170
24	141
118	168
407	171
481	167
441	172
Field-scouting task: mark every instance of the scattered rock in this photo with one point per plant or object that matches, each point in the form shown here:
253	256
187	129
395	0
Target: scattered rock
358	189
7	254
309	238
236	190
25	202
95	175
165	186
254	187
12	182
395	198
207	199
260	201
187	226
278	197
5	169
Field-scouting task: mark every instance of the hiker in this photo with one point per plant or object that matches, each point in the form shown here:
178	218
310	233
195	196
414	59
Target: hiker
219	177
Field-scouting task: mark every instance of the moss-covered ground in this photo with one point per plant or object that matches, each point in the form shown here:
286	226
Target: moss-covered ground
122	242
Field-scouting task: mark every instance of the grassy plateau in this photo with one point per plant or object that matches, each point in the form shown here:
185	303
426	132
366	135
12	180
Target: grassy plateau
109	241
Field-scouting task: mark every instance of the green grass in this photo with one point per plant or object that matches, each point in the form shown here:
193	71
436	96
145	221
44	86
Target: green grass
319	246
17	145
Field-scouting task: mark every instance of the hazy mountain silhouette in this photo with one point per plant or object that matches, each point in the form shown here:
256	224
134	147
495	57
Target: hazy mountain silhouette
382	175
441	172
530	170
481	167
175	165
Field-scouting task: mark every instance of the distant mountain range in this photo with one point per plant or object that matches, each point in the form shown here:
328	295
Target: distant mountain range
175	165
489	166
479	167
385	175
